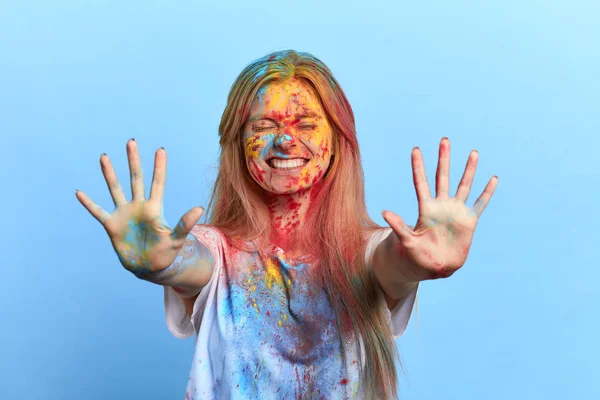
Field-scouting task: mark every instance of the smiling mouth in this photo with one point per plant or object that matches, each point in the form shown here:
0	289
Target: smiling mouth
279	163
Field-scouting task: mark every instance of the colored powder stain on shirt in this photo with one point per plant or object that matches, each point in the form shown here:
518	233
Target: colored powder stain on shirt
265	332
273	274
275	331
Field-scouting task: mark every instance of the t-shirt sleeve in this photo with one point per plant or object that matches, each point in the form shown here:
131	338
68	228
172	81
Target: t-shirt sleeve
399	316
178	321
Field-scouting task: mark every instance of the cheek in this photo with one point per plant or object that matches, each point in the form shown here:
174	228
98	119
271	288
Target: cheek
323	146
257	146
257	172
324	153
253	148
321	140
316	169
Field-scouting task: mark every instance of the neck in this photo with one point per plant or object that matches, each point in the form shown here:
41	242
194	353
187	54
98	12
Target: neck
287	213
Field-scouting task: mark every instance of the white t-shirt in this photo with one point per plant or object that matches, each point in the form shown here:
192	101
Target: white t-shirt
263	333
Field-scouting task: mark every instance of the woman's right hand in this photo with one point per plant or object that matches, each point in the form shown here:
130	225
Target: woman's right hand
137	229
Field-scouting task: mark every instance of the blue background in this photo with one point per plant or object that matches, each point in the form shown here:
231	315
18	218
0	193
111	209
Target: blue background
517	80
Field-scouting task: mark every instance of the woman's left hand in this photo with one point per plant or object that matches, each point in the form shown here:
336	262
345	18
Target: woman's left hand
439	243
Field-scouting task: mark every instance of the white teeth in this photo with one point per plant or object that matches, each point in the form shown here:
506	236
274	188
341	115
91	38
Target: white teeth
278	163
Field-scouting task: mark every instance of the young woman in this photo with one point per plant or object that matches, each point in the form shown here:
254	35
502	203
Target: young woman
292	290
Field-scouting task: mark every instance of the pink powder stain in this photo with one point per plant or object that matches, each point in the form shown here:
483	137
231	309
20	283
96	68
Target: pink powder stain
430	256
278	116
258	173
323	152
442	273
293	205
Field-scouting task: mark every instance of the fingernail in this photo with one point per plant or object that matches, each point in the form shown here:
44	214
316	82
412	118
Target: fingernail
76	190
132	139
162	148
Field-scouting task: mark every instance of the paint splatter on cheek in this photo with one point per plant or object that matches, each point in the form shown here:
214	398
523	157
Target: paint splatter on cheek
307	174
256	171
257	148
316	178
254	144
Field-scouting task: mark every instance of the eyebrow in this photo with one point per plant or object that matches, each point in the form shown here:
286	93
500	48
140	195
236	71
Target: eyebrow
297	116
308	115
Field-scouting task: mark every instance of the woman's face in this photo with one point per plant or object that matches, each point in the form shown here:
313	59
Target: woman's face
287	137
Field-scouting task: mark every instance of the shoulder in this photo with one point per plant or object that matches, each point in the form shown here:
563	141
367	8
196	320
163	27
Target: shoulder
214	237
207	231
211	237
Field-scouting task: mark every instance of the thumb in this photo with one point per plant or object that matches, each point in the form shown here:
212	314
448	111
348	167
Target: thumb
397	224
187	222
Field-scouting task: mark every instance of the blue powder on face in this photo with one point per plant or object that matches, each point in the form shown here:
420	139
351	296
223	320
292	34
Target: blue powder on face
269	139
260	94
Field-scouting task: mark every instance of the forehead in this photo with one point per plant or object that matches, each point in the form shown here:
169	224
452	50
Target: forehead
285	98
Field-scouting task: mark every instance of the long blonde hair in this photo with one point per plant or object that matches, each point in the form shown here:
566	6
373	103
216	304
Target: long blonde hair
237	208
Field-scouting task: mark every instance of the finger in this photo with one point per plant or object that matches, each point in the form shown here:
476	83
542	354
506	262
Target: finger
159	176
135	171
96	211
419	177
441	175
187	222
485	197
464	187
397	224
116	192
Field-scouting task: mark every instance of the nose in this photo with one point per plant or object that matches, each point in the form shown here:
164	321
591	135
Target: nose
283	141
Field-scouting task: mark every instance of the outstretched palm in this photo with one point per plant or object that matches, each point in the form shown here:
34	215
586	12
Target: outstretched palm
440	241
137	230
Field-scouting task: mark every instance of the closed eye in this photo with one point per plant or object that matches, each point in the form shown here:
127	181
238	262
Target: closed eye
263	128
307	126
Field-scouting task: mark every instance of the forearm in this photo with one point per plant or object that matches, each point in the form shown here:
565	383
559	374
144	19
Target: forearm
393	270
190	271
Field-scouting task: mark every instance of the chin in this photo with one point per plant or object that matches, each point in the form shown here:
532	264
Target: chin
279	190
